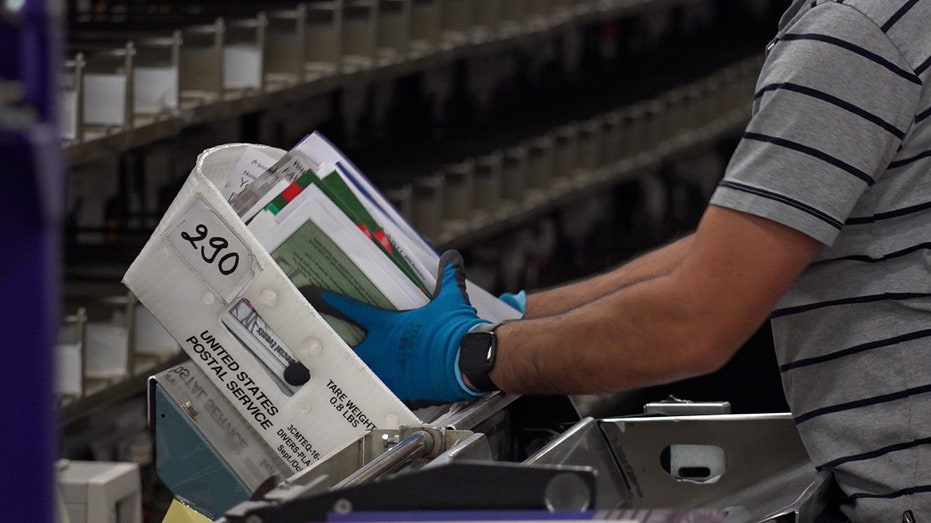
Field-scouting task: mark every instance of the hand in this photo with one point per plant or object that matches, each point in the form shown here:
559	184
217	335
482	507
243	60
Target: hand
517	301
415	352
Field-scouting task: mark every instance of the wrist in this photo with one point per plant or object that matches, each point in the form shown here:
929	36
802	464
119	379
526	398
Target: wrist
476	358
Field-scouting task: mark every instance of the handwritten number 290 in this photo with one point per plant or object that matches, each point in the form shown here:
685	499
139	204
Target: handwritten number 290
211	252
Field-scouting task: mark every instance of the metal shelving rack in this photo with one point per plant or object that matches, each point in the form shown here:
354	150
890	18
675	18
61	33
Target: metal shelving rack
522	24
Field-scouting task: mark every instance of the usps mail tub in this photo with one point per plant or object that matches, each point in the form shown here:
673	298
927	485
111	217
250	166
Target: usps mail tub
200	263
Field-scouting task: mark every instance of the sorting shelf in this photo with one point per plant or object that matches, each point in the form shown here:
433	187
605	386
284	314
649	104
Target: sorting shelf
111	328
224	69
459	234
477	198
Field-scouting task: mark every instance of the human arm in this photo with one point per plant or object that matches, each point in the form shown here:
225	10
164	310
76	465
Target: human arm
566	297
681	322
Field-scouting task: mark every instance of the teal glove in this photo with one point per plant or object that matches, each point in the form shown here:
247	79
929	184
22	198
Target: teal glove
415	352
518	301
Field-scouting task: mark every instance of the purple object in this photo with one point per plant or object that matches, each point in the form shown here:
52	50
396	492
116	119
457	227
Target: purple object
31	208
30	52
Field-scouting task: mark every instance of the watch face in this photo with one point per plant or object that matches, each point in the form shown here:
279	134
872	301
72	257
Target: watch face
476	358
477	351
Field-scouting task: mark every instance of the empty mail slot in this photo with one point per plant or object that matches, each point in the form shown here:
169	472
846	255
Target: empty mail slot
108	84
243	53
394	28
426	23
283	52
323	34
359	41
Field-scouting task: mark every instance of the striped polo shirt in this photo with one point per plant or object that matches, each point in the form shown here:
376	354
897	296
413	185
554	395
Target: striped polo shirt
839	148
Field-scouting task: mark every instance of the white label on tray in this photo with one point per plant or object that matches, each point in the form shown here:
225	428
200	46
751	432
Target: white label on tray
212	250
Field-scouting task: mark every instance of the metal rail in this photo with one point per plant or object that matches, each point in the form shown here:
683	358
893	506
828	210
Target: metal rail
416	445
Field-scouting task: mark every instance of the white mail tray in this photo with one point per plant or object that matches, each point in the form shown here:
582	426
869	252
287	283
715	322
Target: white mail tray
199	263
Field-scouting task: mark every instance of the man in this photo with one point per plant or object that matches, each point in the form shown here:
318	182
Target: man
822	223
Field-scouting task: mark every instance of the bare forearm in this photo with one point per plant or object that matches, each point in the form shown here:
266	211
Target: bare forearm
685	322
567	297
594	348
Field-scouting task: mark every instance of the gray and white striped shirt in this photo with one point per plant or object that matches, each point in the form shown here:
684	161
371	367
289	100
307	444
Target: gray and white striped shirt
839	147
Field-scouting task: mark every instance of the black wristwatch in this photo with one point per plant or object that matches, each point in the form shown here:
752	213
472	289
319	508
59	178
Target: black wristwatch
477	356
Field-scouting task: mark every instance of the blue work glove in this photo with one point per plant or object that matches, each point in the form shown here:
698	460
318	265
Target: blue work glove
518	301
416	352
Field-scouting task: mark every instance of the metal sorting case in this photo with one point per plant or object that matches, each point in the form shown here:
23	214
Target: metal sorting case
138	80
678	467
105	348
477	196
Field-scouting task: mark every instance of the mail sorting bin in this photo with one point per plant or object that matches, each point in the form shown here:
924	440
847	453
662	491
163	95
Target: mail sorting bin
323	37
459	191
513	15
202	62
107	86
566	151
426	25
402	198
540	11
151	58
243	54
541	160
458	17
156	75
652	115
487	17
694	99
394	29
591	155
631	133
359	34
487	182
69	357
514	167
427	208
610	130
283	49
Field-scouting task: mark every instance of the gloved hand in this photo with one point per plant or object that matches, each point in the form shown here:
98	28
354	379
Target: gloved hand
518	301
416	352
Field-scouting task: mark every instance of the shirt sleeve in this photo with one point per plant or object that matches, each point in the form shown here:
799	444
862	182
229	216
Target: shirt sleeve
833	104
